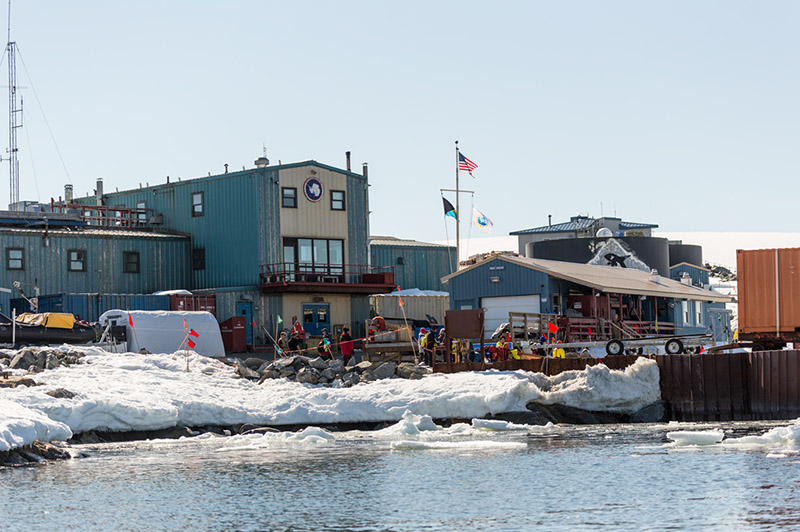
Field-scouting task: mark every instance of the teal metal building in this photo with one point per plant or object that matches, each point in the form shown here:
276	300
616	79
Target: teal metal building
416	264
274	243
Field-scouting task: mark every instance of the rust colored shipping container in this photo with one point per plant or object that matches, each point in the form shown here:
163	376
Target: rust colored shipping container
769	293
194	302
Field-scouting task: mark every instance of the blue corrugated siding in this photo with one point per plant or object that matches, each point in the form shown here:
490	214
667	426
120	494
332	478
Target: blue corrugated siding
423	267
357	220
163	263
359	313
239	229
698	275
469	287
5	303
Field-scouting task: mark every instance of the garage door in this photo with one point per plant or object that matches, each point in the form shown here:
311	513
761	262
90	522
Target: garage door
497	309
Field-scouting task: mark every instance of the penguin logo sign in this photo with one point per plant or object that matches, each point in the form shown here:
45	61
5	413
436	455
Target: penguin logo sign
313	189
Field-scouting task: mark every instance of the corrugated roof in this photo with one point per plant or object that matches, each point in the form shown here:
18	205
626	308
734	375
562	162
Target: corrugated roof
579	224
393	241
564	227
609	279
94	233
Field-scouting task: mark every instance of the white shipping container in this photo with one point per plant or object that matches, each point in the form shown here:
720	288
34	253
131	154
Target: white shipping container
418	304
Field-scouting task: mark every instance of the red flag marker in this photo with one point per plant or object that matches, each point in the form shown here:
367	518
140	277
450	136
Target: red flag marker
184	323
191	344
552	327
130	319
400	300
254	323
193	333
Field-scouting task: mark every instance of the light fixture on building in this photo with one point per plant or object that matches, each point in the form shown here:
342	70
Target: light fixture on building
494	279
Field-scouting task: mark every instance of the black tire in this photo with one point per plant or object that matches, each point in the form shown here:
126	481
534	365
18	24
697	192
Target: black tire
757	347
673	347
615	347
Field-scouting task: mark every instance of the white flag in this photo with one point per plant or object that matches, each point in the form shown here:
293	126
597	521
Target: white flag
481	221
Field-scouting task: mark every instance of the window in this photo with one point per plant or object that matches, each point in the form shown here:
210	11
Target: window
76	260
141	214
698	307
130	262
337	200
316	255
197	204
685	309
199	259
15	259
289	197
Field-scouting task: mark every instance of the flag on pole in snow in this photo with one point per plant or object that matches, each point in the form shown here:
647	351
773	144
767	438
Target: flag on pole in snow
481	221
191	344
280	320
400	301
466	164
192	332
552	327
130	319
449	210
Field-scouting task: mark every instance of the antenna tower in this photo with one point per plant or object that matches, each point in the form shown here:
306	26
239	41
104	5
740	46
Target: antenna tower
14	118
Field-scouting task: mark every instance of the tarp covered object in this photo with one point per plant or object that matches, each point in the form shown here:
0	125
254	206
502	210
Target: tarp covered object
161	331
51	320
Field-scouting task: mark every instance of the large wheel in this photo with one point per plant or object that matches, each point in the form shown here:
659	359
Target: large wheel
614	347
673	347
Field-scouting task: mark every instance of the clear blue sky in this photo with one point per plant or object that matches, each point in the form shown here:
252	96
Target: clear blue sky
683	114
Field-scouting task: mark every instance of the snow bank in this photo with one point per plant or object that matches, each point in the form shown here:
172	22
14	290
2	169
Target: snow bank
124	392
19	426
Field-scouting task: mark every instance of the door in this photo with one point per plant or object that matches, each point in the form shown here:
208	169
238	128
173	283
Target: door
245	309
497	309
315	318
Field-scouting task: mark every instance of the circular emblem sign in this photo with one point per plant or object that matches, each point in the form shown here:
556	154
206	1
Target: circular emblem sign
313	189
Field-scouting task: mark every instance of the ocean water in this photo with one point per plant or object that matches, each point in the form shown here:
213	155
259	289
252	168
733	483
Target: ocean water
614	477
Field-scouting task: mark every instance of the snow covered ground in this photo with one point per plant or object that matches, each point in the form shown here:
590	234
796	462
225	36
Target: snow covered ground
123	392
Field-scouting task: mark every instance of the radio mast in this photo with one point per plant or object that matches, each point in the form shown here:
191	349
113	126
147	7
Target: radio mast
14	118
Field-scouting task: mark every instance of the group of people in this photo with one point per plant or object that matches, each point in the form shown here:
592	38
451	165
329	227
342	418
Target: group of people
294	343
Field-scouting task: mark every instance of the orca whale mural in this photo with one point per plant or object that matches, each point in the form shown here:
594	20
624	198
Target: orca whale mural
613	252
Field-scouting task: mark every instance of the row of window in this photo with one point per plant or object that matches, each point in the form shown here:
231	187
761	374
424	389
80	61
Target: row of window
76	260
289	199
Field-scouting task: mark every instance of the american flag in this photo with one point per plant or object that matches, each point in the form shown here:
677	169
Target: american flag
466	164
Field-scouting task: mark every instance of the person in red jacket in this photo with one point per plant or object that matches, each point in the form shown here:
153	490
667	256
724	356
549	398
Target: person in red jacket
346	345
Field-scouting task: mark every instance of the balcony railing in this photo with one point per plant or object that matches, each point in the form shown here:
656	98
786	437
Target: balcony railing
290	273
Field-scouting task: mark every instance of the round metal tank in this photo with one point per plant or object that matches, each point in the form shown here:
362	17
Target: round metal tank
640	252
691	253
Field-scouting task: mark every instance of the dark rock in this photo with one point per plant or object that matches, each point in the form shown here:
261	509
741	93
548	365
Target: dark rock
407	370
300	362
652	413
285	362
269	374
287	373
13	382
249	428
306	375
363	366
266	366
368	376
318	363
328	374
51	361
574	416
350	378
337	366
35	369
61	393
24	358
253	363
385	370
244	371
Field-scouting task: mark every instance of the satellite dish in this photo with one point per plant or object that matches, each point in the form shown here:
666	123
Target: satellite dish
604	232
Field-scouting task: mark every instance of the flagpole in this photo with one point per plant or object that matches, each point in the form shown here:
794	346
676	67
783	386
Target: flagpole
458	218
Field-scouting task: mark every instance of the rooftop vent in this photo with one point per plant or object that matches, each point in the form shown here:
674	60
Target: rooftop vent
655	277
262	161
